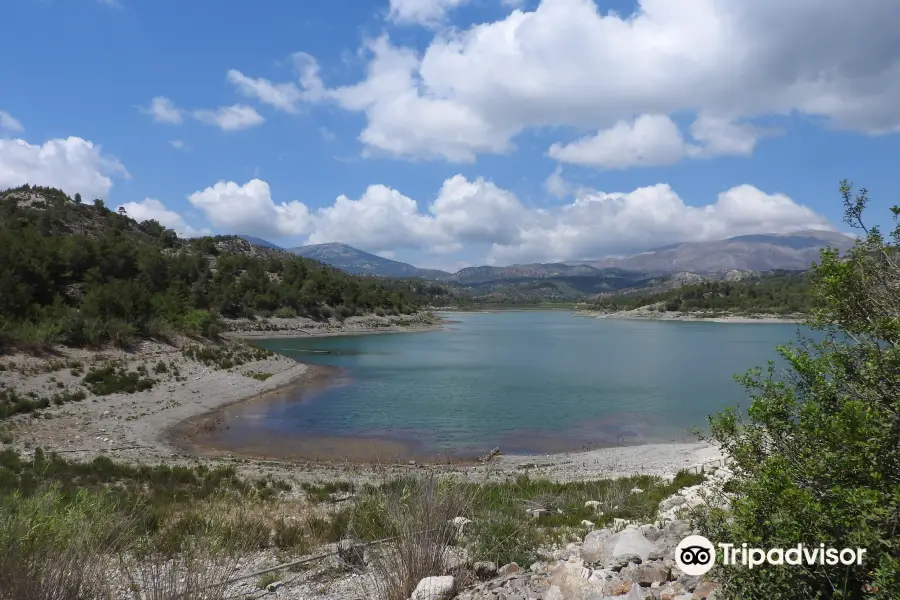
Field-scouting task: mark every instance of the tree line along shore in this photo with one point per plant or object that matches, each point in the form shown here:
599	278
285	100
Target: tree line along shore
108	325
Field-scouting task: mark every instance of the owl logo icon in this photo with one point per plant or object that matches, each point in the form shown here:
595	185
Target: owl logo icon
695	555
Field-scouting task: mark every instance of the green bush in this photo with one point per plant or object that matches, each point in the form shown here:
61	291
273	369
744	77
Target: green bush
107	380
41	335
286	312
54	547
817	456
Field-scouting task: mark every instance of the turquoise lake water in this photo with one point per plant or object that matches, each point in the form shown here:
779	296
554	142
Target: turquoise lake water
528	382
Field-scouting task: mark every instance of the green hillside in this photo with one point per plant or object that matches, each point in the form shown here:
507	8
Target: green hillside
781	292
82	275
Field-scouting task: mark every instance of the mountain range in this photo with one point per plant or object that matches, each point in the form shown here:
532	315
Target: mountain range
759	252
349	259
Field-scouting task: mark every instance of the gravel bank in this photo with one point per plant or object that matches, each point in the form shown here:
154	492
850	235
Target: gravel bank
650	313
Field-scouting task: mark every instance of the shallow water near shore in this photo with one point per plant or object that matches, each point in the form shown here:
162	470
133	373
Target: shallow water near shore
527	382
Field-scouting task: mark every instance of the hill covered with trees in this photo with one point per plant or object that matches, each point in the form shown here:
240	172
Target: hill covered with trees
781	292
83	275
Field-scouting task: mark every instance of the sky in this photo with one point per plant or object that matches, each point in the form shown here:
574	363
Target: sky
448	133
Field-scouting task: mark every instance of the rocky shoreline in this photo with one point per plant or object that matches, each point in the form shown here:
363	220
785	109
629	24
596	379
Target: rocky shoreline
299	327
649	313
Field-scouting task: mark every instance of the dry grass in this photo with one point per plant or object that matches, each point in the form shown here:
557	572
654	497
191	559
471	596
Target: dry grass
196	573
417	514
52	548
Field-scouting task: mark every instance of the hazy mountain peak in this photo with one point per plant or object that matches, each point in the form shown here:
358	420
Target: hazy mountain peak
360	262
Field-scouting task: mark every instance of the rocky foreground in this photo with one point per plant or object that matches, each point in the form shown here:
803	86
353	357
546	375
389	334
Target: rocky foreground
628	561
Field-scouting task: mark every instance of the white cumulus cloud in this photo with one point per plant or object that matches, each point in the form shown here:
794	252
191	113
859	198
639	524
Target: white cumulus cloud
597	224
568	63
479	214
72	164
646	141
651	140
151	208
249	209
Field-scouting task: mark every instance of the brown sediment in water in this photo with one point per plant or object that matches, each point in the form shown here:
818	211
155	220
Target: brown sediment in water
212	435
208	434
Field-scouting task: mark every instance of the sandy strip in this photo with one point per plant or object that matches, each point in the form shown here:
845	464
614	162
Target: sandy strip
652	315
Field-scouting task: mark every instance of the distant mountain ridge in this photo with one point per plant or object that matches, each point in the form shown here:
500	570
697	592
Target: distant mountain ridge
259	242
352	260
757	252
763	252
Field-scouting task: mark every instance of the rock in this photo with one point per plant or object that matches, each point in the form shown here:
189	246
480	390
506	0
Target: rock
600	576
351	552
274	586
461	524
656	555
651	532
705	590
455	558
484	570
621	561
671	502
690	582
536	513
618	588
602	546
648	574
571	581
509	569
435	588
635	593
593	546
678	529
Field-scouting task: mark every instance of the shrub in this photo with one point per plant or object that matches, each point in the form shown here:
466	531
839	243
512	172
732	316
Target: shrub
817	456
53	547
36	336
286	312
258	375
107	380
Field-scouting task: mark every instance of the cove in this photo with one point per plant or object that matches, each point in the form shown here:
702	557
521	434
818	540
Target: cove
527	382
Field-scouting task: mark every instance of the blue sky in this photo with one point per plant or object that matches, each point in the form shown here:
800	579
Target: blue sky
452	132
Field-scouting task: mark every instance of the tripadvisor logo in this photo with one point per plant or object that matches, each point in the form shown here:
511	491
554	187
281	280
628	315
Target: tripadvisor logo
696	555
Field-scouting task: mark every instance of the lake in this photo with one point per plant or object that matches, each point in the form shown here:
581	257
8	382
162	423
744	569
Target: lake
528	382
